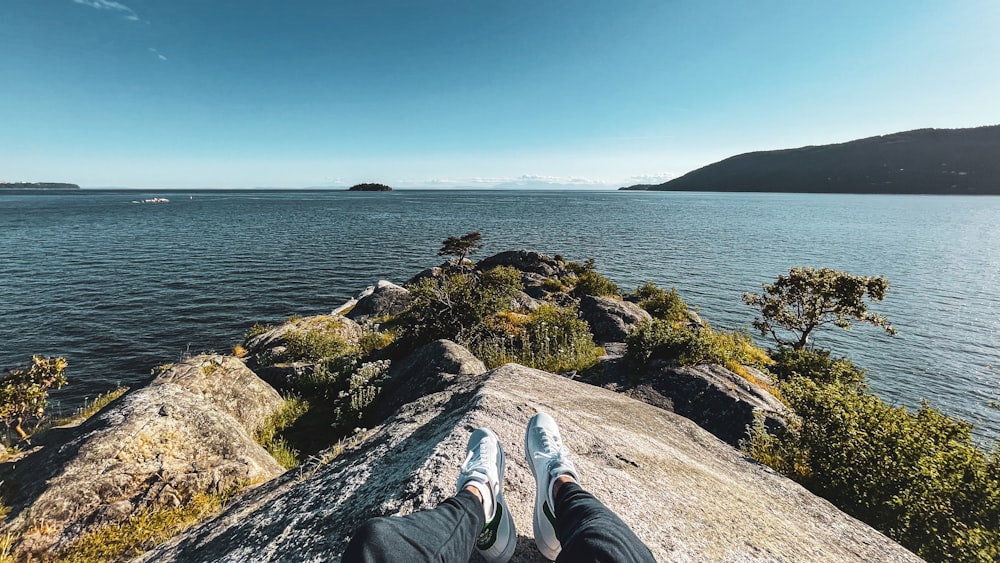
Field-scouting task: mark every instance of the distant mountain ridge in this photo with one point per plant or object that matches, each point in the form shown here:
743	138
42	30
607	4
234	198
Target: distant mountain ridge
922	161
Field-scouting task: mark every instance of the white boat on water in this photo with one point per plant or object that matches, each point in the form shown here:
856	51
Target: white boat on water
154	200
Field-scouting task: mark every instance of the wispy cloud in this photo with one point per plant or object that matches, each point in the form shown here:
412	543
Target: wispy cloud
652	178
127	13
158	54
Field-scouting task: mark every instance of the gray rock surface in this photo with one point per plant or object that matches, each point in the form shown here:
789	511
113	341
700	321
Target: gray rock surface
686	494
384	298
611	319
429	369
525	261
190	431
715	398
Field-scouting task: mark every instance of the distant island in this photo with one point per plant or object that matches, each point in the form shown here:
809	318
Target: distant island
37	186
369	188
923	161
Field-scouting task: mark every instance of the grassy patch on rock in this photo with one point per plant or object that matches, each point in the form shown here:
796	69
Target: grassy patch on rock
142	532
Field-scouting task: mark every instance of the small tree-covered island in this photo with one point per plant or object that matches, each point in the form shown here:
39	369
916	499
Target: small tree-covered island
369	187
280	449
38	186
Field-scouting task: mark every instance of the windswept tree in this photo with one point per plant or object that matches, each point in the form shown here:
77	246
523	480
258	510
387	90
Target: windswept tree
808	298
24	392
461	247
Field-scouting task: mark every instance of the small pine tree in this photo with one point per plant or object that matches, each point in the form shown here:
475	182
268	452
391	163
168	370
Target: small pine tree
461	247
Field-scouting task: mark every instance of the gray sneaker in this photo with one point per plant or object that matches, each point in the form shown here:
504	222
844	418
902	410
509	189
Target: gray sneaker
548	460
483	469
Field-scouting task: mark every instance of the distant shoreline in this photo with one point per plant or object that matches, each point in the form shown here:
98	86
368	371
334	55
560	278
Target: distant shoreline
38	186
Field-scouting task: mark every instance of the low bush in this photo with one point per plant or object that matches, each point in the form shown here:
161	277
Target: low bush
24	393
916	476
457	305
815	364
314	344
661	304
589	282
662	340
551	338
269	433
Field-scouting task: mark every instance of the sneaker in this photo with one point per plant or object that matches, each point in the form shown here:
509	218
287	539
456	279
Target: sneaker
548	460
483	469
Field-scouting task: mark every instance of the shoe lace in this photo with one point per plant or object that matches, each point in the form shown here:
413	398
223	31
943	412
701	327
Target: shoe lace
475	464
551	451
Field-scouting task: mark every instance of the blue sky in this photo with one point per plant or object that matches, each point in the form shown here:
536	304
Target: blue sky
242	93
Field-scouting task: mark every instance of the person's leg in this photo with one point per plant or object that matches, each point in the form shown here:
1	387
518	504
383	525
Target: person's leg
446	533
590	531
475	518
574	526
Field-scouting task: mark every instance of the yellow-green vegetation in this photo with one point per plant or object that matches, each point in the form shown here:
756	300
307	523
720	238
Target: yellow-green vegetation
90	408
239	351
661	304
664	340
553	285
550	338
256	330
457	305
210	367
916	476
24	392
373	340
143	531
269	433
589	282
7	548
315	344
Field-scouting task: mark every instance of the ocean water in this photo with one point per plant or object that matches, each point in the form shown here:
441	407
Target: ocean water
118	287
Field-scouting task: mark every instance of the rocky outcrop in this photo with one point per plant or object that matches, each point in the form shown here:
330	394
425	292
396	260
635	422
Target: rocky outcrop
383	299
714	398
429	369
687	495
269	347
526	261
611	319
190	431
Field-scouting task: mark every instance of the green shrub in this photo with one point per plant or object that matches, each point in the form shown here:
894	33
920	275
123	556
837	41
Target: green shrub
660	339
916	476
661	304
552	285
373	340
456	305
268	435
589	282
314	345
24	392
816	365
256	330
551	338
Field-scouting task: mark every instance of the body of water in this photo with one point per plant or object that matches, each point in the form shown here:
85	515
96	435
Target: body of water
118	287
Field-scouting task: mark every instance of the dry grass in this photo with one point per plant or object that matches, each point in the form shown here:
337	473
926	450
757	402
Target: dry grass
90	408
143	531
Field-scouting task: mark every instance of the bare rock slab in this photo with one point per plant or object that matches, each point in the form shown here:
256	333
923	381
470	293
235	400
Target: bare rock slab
190	431
686	494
